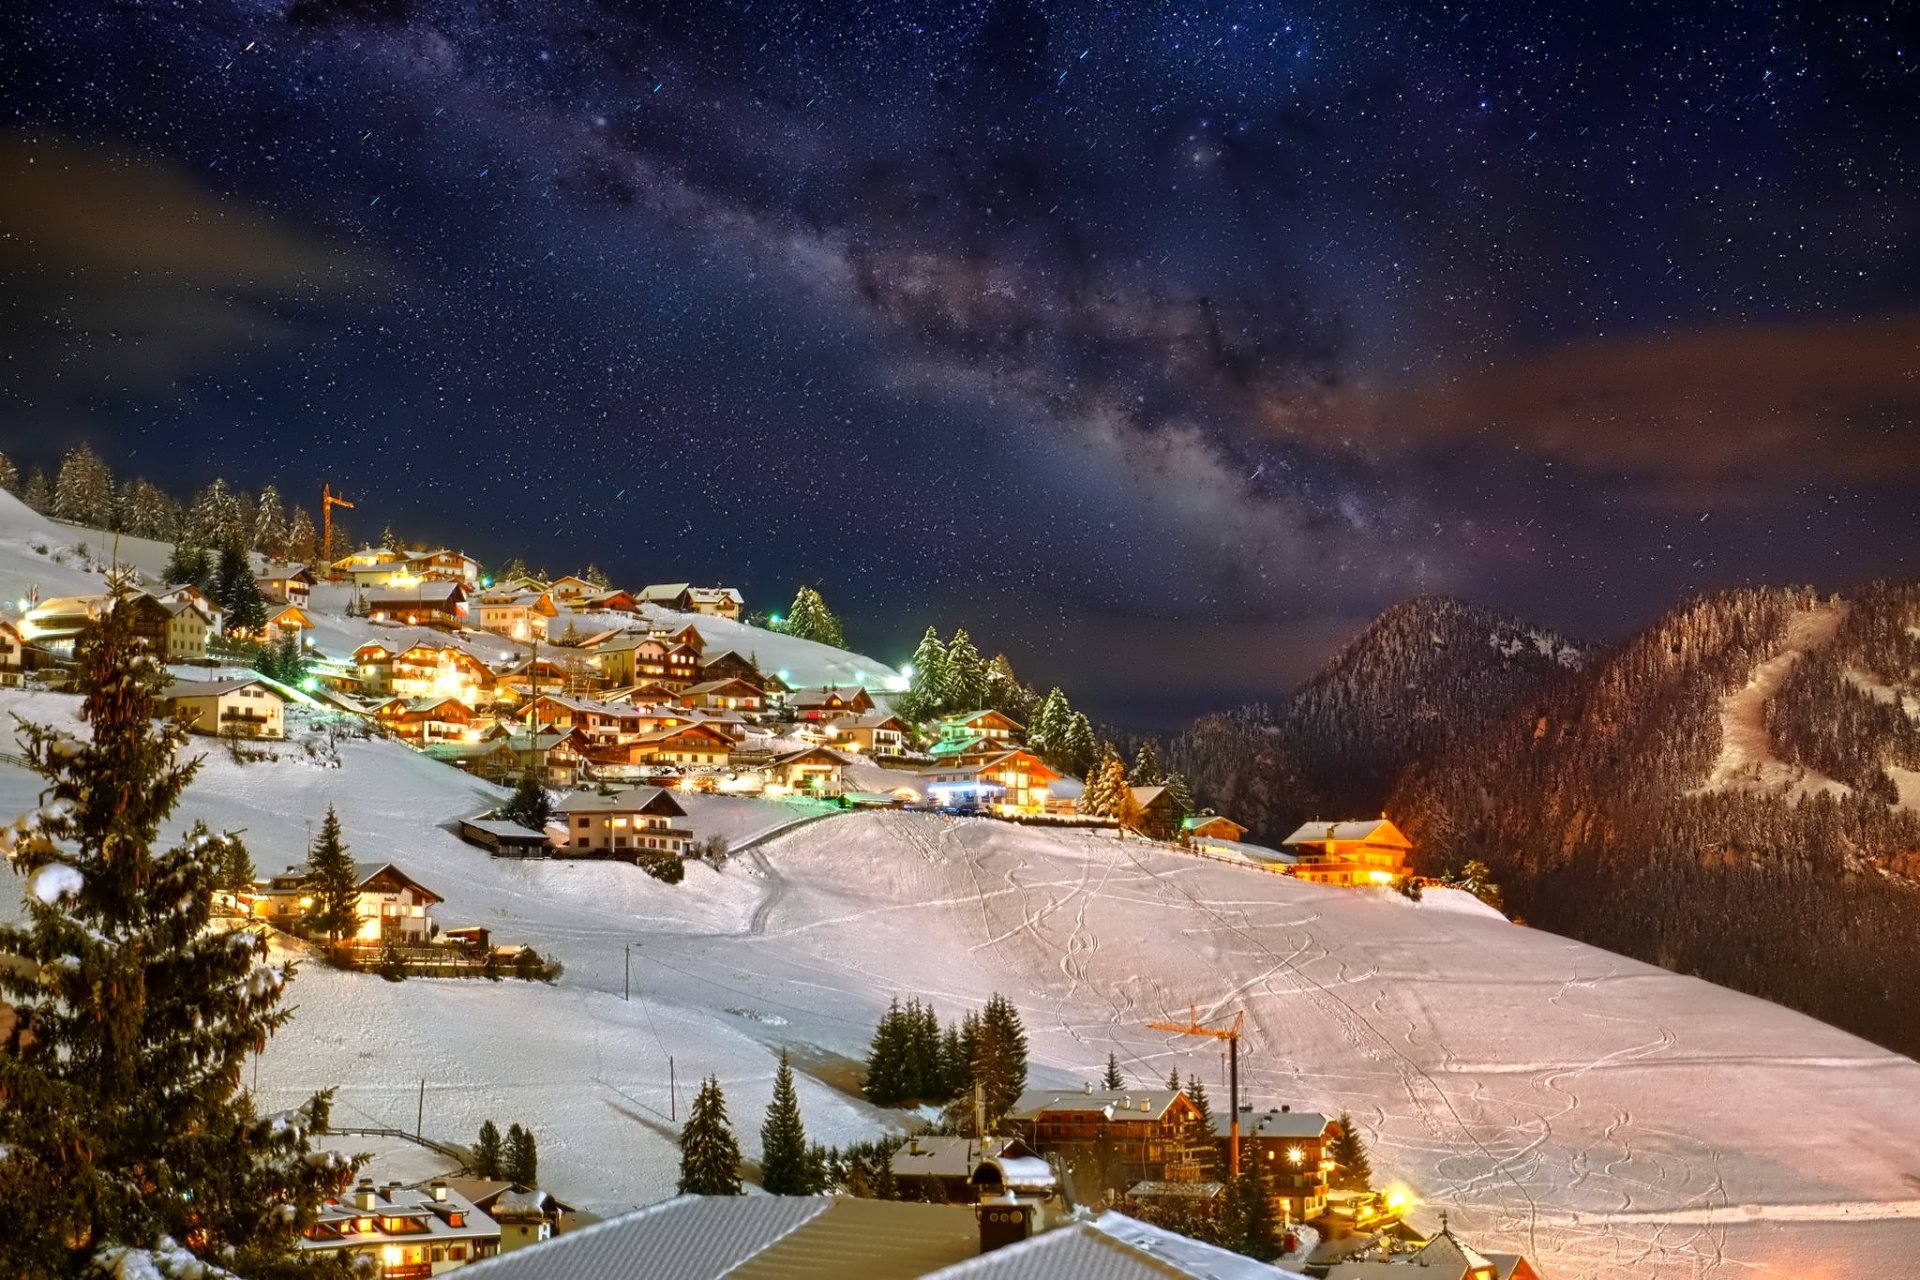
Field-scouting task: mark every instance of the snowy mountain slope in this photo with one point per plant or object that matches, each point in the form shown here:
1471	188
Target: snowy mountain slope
1595	1111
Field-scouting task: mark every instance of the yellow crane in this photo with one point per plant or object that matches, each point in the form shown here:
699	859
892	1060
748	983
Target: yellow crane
327	503
1232	1036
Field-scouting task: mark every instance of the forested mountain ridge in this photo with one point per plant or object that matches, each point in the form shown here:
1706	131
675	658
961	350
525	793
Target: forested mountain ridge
1423	675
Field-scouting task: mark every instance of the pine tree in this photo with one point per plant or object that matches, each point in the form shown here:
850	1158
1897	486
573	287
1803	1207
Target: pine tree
270	525
530	806
597	576
929	688
1113	1081
1354	1171
83	494
1047	728
335	881
1146	771
784	1168
285	660
886	1082
487	1152
237	591
520	1161
1102	798
1173	1079
1004	692
389	539
188	565
1000	1058
9	475
1200	1128
1182	794
709	1155
216	517
124	1119
303	541
956	1072
1250	1224
967	671
147	512
809	618
1197	1095
1079	750
38	494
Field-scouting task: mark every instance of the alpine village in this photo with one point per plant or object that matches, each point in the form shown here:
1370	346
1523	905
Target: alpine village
650	751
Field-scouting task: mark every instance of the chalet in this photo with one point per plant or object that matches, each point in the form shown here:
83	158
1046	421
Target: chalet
176	630
521	678
442	565
687	744
877	733
423	670
504	839
816	770
419	721
400	1233
510	1204
941	1170
607	602
519	615
505	755
728	664
1156	812
1147	1128
388	904
1211	826
684	597
1293	1150
422	604
630	659
572	587
1445	1257
724	695
969	731
374	567
731	723
186	591
285	620
56	622
367	558
244	708
1350	853
290	585
830	702
519	582
1011	782
13	656
627	822
599	722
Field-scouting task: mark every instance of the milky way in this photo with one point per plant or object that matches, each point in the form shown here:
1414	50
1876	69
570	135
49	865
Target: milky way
1137	338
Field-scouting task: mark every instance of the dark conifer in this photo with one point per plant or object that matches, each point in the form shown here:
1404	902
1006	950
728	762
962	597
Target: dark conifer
487	1152
520	1161
784	1167
709	1154
335	881
1113	1080
1349	1153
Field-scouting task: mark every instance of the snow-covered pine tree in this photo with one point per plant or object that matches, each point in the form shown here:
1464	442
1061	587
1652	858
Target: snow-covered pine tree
968	672
303	542
335	882
1146	771
1000	1057
1250	1225
189	564
1113	1080
1048	726
1079	750
9	475
488	1151
929	688
1004	692
37	493
529	805
520	1159
709	1153
125	1121
83	493
956	1074
147	512
1105	782
1354	1172
216	516
784	1167
597	576
389	539
237	591
270	525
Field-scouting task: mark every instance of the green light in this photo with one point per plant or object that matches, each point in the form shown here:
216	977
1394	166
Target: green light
776	619
309	684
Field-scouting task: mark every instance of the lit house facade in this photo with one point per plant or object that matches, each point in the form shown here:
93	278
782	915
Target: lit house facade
243	708
1006	782
404	1233
1350	853
623	824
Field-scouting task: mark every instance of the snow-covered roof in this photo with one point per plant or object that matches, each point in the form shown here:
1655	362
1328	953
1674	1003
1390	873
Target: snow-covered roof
1378	830
1111	1247
1273	1124
210	688
632	800
1141	1103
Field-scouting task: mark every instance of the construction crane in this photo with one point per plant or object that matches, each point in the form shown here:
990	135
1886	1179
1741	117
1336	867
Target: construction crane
327	503
1232	1036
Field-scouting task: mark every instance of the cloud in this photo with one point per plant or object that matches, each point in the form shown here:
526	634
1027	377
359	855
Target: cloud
127	271
1711	417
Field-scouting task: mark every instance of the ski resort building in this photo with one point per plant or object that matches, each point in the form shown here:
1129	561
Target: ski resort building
13	656
518	615
1009	782
292	584
176	629
404	1233
830	702
969	731
1294	1153
389	905
1350	853
421	604
242	708
626	823
1147	1128
1213	827
684	597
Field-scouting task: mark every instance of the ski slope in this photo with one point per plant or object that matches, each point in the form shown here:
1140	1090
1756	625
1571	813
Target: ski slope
1604	1116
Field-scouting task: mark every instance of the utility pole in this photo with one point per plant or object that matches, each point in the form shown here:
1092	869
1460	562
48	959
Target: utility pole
420	1116
673	1092
628	997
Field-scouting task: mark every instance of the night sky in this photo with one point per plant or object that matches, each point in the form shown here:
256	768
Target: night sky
1158	344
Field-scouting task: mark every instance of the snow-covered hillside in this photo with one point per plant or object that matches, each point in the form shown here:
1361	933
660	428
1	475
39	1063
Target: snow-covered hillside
1597	1112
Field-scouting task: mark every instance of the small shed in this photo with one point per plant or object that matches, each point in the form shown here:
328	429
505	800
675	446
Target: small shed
504	839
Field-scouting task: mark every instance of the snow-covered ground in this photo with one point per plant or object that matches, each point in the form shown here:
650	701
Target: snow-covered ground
1605	1116
1747	761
